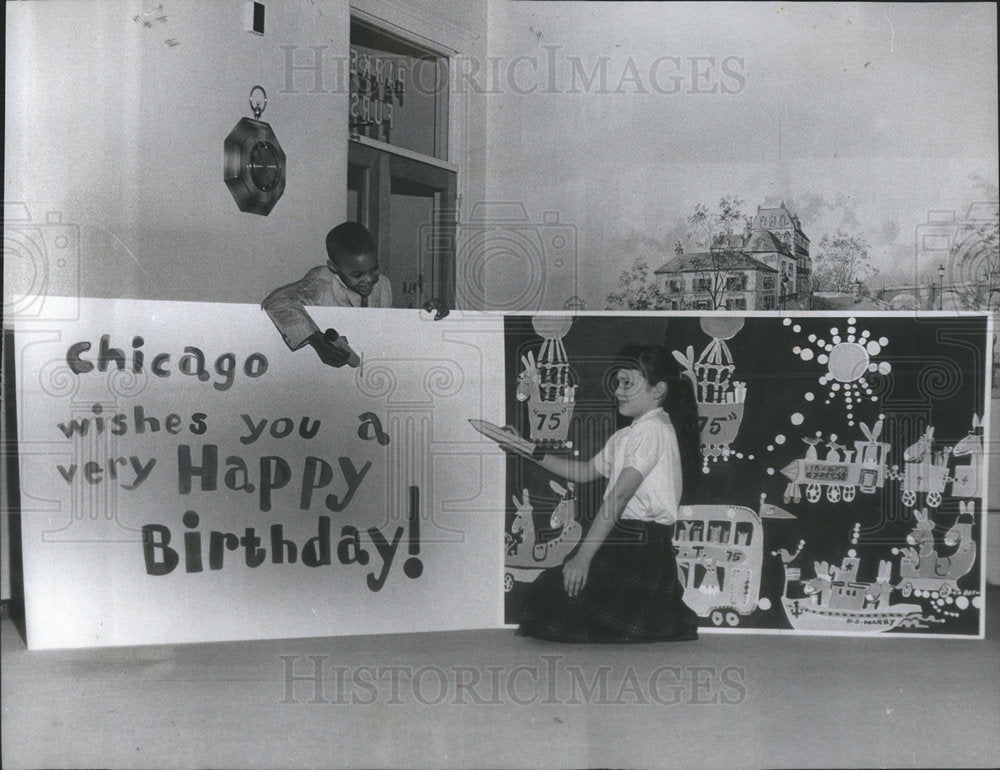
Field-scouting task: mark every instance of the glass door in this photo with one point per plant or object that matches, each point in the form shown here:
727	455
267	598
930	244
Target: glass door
409	206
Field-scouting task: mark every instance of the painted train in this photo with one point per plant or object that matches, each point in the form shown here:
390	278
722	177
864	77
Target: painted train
844	472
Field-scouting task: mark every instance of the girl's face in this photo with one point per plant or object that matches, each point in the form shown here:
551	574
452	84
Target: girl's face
635	396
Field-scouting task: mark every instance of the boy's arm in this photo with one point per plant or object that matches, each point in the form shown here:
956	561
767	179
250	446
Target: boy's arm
287	308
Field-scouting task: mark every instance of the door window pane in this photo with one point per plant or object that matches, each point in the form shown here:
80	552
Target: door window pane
399	92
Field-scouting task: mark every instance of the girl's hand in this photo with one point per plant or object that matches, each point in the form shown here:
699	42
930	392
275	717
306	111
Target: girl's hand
575	574
511	446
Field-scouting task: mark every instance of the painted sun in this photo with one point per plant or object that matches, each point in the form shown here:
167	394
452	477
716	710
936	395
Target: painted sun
848	354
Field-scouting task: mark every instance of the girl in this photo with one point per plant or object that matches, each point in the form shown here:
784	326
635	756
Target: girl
622	584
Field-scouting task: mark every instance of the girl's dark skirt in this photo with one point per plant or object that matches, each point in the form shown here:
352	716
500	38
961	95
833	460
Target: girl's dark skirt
632	593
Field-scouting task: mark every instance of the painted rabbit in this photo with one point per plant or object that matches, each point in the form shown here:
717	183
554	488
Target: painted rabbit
878	593
529	380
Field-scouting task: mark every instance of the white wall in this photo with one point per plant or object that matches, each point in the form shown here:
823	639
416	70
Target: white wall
122	134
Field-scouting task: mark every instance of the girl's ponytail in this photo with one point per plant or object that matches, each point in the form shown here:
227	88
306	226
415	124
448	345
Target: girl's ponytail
682	407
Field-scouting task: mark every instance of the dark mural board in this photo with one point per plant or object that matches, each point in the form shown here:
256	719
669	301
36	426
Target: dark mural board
843	476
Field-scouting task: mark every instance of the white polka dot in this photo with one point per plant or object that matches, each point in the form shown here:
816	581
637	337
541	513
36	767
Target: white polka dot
770	447
787	321
977	602
797	418
851	329
779	439
873	348
961	602
796	328
873	367
833	330
835	387
852	320
770	471
833	437
812	337
883	341
807	354
764	603
836	340
796	350
885	367
809	396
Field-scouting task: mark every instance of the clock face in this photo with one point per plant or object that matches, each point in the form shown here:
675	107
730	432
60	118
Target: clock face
254	166
264	166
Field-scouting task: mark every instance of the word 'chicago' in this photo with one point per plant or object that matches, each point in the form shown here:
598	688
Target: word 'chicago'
191	363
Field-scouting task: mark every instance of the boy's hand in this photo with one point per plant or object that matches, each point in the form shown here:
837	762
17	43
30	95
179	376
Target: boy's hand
438	308
328	354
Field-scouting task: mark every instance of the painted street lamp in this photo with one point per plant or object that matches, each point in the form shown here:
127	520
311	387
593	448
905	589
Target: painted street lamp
941	287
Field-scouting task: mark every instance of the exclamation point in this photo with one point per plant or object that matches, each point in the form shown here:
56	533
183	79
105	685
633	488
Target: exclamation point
413	567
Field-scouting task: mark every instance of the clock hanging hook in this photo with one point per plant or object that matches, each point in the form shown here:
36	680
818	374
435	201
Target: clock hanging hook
260	103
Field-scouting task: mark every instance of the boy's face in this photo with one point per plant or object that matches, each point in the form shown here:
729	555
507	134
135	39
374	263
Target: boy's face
359	272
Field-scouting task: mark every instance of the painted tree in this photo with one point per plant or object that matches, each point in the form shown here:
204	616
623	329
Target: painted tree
841	261
974	266
637	289
718	234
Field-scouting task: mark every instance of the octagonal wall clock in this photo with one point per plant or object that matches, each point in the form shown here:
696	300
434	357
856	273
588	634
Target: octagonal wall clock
254	161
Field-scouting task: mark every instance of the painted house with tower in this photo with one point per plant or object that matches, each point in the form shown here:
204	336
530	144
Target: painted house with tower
765	267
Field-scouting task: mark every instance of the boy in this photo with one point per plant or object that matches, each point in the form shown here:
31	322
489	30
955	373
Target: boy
350	278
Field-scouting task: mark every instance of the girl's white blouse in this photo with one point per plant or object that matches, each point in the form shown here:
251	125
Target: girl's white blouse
649	445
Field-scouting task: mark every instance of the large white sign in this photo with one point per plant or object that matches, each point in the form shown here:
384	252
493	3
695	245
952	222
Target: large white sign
185	477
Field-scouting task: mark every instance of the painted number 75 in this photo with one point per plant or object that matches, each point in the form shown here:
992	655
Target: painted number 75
714	427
